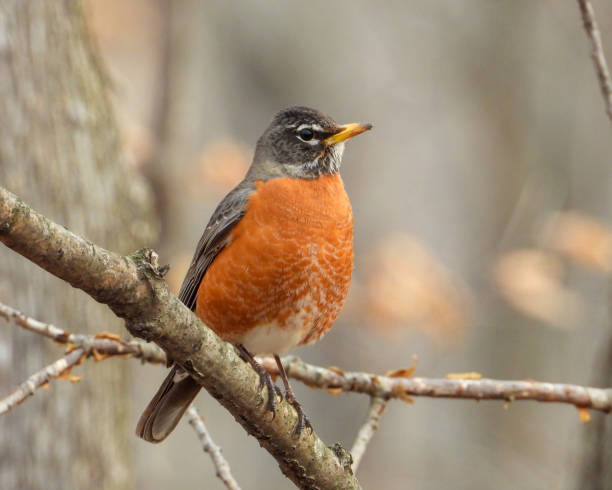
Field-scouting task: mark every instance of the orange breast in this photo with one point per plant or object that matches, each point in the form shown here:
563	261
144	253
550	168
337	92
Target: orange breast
287	269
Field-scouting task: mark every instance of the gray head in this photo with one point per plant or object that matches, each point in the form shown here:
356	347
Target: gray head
303	143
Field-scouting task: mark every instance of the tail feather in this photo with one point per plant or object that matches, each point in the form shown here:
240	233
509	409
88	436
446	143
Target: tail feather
167	406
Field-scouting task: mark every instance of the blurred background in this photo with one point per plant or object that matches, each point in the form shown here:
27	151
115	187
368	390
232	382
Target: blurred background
482	203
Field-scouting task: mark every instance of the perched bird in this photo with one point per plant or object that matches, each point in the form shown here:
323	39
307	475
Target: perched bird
273	267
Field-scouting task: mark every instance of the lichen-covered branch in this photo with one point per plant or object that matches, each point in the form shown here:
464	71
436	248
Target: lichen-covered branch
107	277
366	432
599	59
134	289
336	380
208	445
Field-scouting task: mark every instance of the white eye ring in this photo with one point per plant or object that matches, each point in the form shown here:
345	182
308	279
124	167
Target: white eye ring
306	134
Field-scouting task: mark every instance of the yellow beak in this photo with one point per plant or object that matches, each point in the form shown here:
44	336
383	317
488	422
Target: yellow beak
347	131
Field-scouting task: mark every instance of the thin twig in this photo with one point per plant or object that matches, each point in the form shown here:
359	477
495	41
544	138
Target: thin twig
98	346
224	472
599	59
366	432
80	346
336	380
40	379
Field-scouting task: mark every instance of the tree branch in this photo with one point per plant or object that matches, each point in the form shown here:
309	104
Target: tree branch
599	59
133	288
80	346
365	434
39	379
208	445
99	345
473	389
336	380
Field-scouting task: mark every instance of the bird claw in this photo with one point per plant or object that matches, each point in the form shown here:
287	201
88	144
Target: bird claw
265	380
303	421
278	391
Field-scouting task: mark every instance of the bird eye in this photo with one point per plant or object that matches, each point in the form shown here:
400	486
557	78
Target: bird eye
305	134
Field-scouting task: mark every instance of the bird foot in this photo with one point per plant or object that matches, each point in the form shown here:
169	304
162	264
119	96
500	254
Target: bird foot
290	397
303	421
265	380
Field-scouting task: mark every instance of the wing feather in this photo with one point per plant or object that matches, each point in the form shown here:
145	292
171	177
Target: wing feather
215	237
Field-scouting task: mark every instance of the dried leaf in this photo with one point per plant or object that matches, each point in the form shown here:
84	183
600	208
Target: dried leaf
468	375
404	372
398	392
98	356
585	416
65	375
109	336
400	373
337	370
334	391
83	356
70	347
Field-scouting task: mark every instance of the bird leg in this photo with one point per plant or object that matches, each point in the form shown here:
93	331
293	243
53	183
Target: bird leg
264	376
290	397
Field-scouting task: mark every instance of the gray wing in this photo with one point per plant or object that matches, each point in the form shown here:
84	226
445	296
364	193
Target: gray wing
215	237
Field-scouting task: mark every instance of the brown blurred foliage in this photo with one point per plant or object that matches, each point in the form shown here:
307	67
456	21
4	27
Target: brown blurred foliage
138	143
221	165
531	281
580	238
114	23
406	285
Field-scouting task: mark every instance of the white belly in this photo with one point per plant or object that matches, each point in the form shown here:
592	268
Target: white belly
273	339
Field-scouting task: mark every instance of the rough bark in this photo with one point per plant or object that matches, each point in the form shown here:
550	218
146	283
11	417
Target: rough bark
59	150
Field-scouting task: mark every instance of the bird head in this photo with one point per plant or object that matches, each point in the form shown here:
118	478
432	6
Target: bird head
303	143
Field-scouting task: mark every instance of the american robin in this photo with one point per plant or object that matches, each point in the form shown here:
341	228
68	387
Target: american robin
273	267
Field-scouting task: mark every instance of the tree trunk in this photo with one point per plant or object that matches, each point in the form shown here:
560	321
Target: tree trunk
59	150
